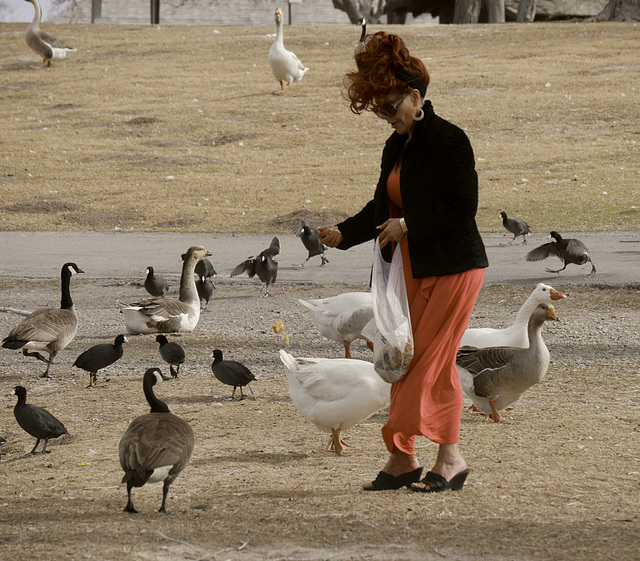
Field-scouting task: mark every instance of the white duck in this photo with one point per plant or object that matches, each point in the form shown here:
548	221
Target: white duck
516	334
285	65
168	315
496	377
335	394
341	318
49	48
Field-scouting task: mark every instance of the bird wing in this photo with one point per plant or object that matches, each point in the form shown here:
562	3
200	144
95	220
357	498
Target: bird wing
304	223
543	251
53	42
38	422
43	325
486	367
248	265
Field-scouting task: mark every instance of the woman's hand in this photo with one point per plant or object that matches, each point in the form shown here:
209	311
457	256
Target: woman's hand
329	236
391	232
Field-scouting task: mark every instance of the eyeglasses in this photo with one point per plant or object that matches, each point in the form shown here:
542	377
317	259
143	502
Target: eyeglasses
388	109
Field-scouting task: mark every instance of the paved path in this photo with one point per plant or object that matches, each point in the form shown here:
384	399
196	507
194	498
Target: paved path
125	256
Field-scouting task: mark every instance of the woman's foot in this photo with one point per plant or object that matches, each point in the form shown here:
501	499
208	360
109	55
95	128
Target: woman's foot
449	464
399	464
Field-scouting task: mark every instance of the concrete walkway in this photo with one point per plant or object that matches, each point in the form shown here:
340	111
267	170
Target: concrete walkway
125	256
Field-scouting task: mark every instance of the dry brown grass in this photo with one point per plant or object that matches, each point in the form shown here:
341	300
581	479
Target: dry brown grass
177	128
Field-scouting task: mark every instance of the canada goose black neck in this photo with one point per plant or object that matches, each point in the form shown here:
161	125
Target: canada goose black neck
66	303
150	379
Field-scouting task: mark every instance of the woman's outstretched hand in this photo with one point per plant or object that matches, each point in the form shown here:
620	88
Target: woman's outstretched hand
391	232
329	236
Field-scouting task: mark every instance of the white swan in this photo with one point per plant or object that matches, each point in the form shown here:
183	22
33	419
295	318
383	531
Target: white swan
285	65
341	318
168	315
335	394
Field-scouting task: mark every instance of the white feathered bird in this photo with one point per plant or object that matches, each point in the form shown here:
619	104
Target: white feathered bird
342	318
335	394
516	334
495	377
285	65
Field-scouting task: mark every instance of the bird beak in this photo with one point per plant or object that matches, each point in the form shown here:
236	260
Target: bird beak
13	392
551	314
556	294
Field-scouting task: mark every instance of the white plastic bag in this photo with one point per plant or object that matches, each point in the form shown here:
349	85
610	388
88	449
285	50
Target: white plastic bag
393	340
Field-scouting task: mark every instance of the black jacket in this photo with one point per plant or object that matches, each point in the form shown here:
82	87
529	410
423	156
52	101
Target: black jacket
439	188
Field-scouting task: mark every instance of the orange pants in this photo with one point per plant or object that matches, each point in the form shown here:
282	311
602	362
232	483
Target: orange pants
428	400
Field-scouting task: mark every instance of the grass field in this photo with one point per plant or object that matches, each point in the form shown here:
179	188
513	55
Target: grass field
177	128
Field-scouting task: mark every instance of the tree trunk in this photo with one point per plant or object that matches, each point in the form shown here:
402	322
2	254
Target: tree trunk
526	11
620	10
466	11
495	10
351	7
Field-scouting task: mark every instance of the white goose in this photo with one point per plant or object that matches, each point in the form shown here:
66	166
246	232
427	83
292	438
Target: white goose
516	334
168	315
341	318
49	48
335	394
496	377
285	65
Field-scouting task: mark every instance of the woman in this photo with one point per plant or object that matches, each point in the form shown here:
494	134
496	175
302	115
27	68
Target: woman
425	202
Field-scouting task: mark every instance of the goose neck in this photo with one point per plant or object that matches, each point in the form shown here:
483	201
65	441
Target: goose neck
37	14
188	290
157	406
66	303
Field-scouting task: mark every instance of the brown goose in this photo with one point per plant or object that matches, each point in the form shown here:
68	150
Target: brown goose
496	377
156	447
49	48
47	329
169	315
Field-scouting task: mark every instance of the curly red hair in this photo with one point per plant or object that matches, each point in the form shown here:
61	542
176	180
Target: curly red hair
376	78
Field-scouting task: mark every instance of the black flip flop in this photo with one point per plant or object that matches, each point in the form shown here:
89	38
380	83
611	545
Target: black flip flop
436	483
385	481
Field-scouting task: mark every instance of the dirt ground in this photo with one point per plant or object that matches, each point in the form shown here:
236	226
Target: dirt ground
176	129
561	483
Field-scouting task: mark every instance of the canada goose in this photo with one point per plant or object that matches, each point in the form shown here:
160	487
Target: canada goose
36	421
171	353
569	251
155	284
285	65
47	329
156	446
360	46
311	241
42	43
335	394
205	288
517	227
515	335
342	318
263	266
495	377
231	373
100	356
168	315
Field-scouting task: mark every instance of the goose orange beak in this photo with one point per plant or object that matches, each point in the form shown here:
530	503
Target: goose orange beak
556	294
551	314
